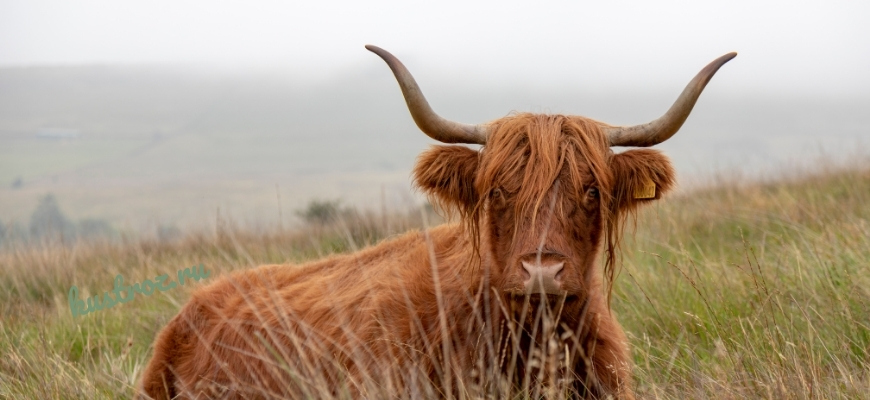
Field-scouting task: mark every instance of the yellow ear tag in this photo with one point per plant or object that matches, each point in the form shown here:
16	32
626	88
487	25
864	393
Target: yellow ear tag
647	191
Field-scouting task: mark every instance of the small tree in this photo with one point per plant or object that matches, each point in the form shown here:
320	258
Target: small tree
322	212
49	221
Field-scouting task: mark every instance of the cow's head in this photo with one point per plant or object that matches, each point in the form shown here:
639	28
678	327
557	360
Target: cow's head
545	191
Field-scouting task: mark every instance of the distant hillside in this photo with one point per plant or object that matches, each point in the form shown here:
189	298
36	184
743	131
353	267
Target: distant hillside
141	144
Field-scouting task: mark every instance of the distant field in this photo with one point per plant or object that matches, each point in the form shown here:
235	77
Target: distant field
739	290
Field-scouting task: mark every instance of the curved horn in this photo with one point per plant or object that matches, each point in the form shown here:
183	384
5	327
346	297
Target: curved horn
430	123
657	131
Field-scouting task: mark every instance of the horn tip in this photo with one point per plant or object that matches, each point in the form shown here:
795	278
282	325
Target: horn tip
711	68
382	53
728	57
374	49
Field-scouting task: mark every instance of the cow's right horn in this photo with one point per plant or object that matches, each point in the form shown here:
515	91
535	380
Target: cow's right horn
657	131
432	124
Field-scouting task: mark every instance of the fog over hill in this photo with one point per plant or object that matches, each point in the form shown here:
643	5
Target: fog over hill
148	146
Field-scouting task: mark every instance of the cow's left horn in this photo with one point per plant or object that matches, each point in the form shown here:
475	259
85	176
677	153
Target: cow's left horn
428	121
667	125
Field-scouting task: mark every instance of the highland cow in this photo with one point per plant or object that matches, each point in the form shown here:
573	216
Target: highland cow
510	298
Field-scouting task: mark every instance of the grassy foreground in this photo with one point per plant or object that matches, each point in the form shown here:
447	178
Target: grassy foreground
736	291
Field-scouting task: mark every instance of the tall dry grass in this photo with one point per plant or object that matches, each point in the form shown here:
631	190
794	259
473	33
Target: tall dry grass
758	290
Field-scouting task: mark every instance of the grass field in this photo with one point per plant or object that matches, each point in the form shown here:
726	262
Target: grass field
740	290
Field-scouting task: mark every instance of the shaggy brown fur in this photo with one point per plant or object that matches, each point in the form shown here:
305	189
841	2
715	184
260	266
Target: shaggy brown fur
435	313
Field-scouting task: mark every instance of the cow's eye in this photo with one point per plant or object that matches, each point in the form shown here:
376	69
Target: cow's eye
592	193
497	198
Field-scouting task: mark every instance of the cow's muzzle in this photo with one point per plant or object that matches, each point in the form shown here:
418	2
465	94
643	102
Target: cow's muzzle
543	275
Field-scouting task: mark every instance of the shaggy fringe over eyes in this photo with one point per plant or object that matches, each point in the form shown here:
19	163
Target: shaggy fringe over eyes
537	148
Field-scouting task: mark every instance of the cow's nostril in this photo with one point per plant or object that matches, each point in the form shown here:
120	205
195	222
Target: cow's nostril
526	273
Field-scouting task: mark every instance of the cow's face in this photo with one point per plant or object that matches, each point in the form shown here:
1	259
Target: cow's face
541	198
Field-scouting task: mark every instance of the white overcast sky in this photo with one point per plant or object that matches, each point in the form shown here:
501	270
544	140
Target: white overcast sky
818	46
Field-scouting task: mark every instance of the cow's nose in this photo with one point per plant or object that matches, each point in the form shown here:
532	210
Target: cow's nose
543	277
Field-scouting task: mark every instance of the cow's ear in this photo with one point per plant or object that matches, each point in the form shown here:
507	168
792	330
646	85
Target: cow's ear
639	177
446	174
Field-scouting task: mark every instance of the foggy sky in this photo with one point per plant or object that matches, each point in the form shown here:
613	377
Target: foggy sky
784	46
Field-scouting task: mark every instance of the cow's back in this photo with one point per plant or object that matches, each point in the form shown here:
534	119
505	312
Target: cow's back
284	327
